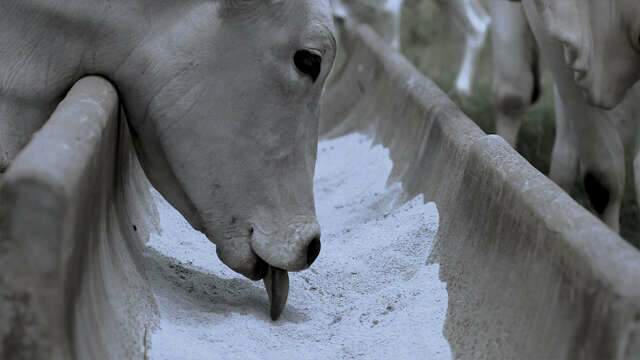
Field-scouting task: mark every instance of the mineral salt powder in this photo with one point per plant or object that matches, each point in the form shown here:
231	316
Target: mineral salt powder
370	294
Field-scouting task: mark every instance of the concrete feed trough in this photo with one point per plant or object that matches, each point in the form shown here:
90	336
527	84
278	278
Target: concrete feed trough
74	210
529	273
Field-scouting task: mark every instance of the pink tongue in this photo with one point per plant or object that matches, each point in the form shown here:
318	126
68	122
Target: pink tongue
277	284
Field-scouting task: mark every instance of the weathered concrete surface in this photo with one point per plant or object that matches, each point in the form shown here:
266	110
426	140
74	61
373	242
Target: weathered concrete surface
530	273
74	212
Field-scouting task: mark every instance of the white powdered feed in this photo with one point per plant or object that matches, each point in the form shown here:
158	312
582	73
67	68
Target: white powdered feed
370	294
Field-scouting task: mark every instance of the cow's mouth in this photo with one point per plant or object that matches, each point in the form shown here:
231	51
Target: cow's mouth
276	281
277	284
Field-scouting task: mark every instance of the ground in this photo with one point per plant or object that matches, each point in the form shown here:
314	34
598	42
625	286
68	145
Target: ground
370	295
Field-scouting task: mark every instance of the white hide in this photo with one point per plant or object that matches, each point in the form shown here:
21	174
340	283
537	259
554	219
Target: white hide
515	69
222	98
384	16
394	7
601	44
602	139
564	164
474	22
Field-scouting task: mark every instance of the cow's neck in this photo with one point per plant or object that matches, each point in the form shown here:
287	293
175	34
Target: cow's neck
48	45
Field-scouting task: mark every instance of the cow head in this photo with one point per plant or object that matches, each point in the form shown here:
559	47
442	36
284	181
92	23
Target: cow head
223	99
601	40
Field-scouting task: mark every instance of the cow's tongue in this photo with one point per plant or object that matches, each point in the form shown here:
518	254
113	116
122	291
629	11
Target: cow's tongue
277	284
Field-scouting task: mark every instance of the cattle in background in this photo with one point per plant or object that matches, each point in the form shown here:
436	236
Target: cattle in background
469	16
601	44
593	145
516	70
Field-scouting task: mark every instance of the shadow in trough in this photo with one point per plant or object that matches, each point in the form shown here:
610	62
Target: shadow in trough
193	289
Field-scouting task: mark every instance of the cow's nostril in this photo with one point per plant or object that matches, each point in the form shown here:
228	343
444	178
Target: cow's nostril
313	250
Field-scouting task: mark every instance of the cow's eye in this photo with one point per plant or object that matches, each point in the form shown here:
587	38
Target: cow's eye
308	63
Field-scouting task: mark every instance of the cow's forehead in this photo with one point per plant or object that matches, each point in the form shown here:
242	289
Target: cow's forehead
316	16
310	12
318	9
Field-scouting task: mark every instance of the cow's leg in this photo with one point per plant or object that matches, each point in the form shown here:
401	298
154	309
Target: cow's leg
339	10
598	142
515	79
564	158
474	22
600	150
602	161
509	121
478	22
604	185
394	7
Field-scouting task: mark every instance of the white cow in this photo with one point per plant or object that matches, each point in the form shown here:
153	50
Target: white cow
601	44
473	20
516	70
469	15
591	144
222	98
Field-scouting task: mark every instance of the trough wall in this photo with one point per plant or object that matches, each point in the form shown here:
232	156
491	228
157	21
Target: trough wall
74	210
530	274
